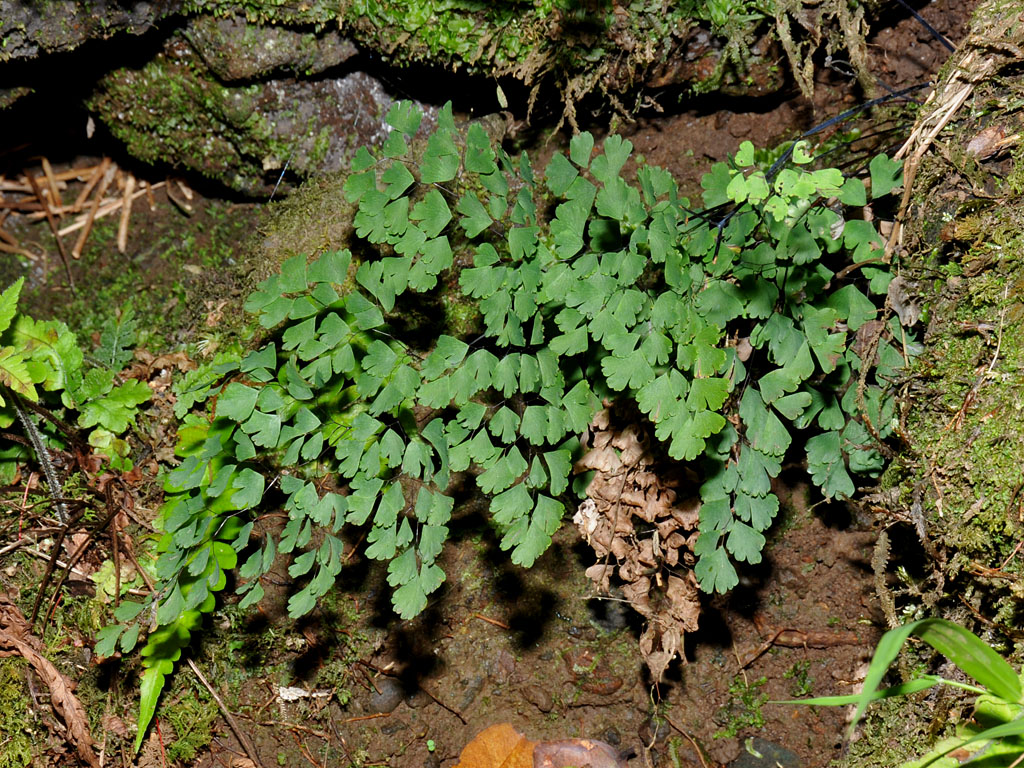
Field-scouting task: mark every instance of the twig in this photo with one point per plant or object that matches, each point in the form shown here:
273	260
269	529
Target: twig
107	207
242	736
52	182
5	248
126	212
148	189
108	176
182	204
693	741
374	716
445	706
97	174
495	622
294	726
53	228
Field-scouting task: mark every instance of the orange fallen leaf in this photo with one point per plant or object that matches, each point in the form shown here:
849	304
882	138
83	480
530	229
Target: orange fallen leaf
500	746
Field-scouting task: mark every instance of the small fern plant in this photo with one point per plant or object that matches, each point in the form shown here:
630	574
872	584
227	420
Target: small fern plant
42	364
727	334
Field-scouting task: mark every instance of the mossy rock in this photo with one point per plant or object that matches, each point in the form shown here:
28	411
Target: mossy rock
29	29
952	502
175	110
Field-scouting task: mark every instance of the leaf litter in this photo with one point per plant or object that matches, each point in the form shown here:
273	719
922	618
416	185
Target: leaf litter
16	639
640	517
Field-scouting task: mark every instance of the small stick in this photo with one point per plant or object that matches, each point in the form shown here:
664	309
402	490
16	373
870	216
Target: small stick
495	622
149	195
243	737
693	741
68	209
75	173
108	177
53	228
374	716
126	212
445	706
186	190
22	205
108	207
5	248
48	171
185	207
97	174
296	726
15	186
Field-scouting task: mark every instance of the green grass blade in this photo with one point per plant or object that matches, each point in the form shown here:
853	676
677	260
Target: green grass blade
1014	728
888	649
973	655
903	689
960	646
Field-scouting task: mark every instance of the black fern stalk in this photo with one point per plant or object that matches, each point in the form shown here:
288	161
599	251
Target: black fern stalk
56	491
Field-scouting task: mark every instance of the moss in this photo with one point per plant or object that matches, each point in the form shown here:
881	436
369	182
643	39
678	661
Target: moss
181	269
173	110
192	719
19	731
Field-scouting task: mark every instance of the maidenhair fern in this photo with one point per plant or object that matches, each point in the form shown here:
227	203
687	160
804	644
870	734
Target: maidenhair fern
730	333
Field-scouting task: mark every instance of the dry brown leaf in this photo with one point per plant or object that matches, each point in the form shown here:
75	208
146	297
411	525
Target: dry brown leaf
500	746
684	601
115	725
642	509
16	639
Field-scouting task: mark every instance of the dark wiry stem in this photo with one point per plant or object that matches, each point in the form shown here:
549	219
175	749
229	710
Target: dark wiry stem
43	455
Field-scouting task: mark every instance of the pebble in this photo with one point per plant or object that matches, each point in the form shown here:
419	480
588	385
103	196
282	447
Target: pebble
473	688
772	756
393	726
418	699
389	694
539	697
653	732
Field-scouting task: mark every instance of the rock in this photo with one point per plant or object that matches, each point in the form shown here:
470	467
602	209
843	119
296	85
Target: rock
387	696
418	699
539	697
176	110
653	732
234	49
392	726
29	28
501	667
772	756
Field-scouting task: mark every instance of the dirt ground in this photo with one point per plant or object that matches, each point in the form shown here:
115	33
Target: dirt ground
350	685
